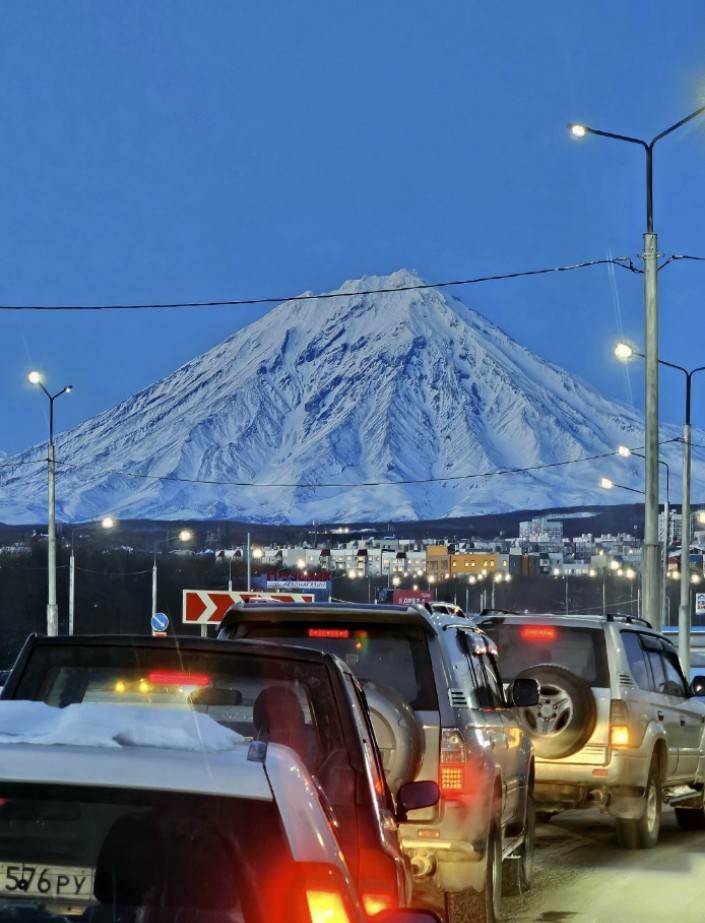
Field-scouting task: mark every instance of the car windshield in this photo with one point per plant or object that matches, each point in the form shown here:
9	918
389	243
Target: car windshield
237	690
111	856
374	652
581	650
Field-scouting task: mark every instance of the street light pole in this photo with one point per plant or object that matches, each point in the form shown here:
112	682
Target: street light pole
107	522
185	535
625	453
651	575
623	351
52	607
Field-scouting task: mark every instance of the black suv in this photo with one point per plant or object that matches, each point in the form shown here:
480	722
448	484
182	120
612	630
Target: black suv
440	713
305	699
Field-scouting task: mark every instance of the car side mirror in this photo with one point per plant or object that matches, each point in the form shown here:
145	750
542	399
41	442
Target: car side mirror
697	685
414	795
524	692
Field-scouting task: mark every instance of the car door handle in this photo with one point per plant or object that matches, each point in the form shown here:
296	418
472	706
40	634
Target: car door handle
660	715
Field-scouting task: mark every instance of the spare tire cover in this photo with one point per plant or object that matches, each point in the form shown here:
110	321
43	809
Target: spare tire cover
399	735
565	716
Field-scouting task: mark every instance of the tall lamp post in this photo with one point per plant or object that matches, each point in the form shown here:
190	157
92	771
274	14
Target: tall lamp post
185	535
107	522
624	351
52	608
651	575
625	453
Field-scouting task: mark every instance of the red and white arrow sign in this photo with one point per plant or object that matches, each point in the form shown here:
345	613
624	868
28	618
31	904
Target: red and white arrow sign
208	606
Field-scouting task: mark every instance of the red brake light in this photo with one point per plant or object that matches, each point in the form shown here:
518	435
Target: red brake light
178	678
328	632
538	633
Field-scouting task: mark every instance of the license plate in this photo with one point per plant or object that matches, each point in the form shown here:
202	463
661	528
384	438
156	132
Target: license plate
22	879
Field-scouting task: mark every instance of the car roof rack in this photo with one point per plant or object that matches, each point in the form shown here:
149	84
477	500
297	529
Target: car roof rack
620	617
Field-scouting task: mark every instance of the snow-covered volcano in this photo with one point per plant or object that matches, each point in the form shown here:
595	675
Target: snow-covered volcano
406	405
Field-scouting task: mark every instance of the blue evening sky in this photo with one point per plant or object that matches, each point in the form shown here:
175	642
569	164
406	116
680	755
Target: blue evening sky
197	150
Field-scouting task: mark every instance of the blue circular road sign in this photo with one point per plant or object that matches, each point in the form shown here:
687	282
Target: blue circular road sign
159	621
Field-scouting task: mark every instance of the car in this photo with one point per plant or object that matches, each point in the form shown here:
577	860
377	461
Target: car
618	727
158	815
305	699
440	713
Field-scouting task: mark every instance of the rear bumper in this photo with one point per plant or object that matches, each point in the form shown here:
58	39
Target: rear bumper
616	784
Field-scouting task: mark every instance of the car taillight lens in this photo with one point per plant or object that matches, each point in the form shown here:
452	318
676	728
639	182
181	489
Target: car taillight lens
619	724
326	906
377	881
458	775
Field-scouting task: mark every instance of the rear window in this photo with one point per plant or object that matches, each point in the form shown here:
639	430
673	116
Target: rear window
525	645
395	656
236	690
105	855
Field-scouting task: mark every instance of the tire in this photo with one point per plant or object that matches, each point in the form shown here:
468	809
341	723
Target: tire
399	735
691	818
565	716
517	871
479	906
643	832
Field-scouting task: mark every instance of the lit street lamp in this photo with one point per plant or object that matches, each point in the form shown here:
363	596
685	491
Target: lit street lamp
185	535
651	574
624	351
52	608
107	522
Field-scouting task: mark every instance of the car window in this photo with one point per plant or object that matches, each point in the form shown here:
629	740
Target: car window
525	645
288	701
637	660
386	655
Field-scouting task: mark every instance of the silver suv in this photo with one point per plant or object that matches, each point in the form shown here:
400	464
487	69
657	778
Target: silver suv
617	727
440	713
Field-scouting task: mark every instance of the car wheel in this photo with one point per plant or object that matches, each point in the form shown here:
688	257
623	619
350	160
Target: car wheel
643	832
565	715
479	906
691	818
399	735
517	870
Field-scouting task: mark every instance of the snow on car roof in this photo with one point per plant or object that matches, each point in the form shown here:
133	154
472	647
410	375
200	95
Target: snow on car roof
123	746
94	725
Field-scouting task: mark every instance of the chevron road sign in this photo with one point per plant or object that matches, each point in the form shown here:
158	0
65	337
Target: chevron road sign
207	607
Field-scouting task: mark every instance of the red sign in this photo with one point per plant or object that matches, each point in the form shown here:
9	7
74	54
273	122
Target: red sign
209	606
409	597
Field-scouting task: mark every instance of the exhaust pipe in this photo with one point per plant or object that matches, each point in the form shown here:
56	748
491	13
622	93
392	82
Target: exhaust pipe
422	865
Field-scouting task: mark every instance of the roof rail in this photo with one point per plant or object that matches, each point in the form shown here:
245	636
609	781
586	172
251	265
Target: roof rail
633	619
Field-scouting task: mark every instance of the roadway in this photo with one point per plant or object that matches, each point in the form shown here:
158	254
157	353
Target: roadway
582	876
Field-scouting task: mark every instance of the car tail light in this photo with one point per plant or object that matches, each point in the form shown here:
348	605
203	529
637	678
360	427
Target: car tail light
309	892
326	899
541	633
458	775
619	724
178	678
377	881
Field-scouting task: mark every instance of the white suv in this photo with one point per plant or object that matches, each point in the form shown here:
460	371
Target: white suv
617	726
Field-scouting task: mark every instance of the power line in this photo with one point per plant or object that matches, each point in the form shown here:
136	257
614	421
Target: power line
348	485
624	261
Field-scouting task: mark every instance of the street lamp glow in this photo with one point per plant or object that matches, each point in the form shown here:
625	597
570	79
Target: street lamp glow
606	483
624	451
577	131
107	522
35	378
623	351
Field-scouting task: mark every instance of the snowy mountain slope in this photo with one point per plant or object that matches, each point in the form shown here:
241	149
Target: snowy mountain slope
383	389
